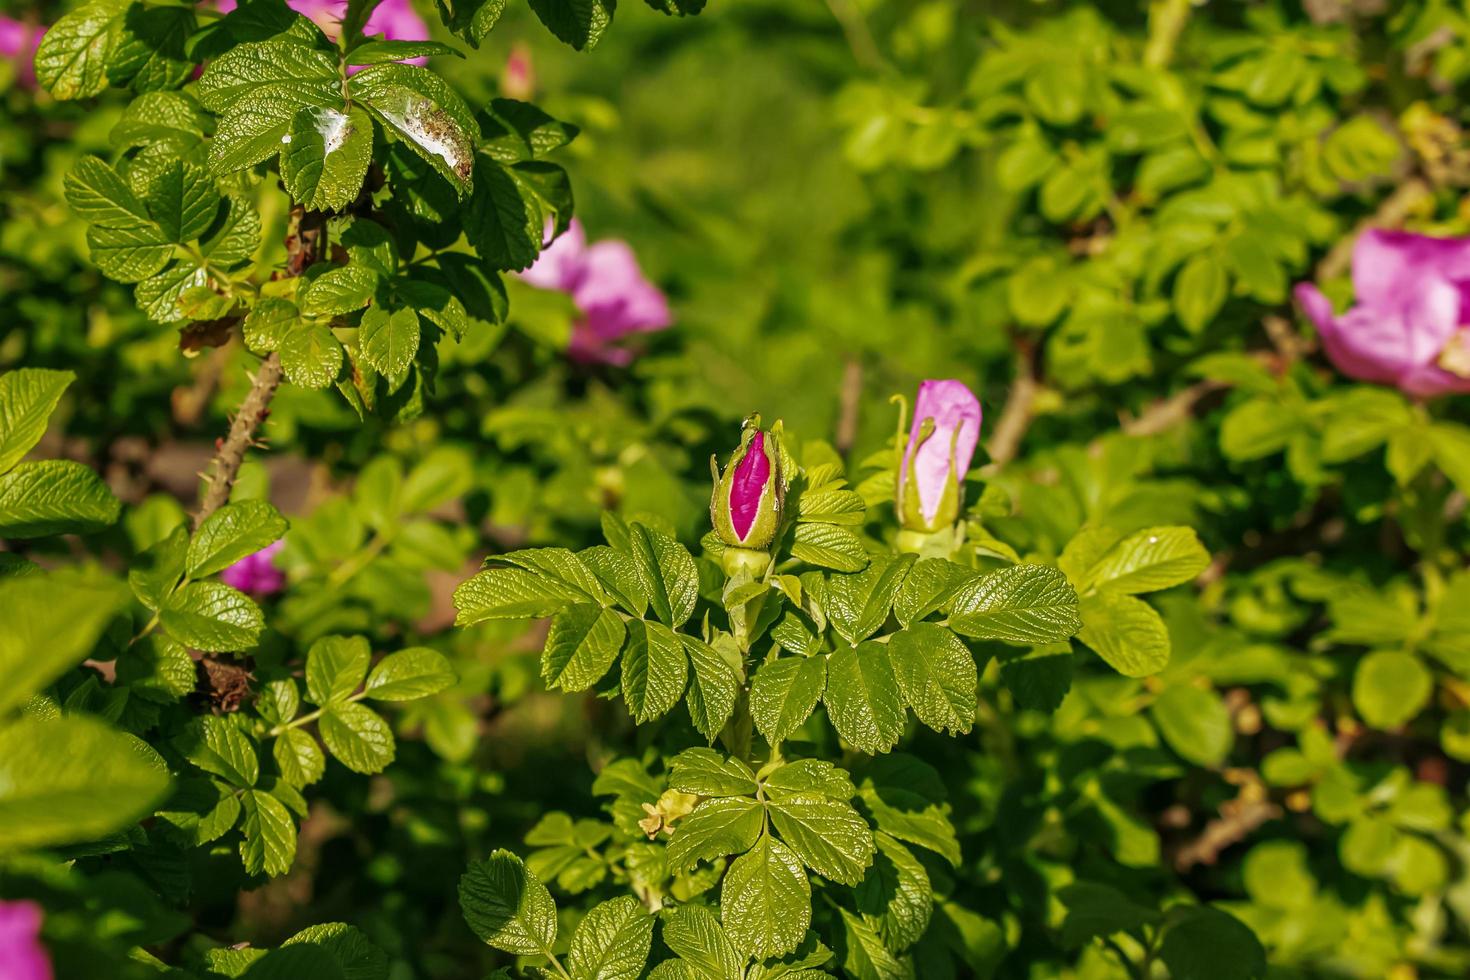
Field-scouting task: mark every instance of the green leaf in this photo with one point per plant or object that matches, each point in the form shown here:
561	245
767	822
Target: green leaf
705	772
335	668
221	749
299	757
1200	291
27	399
1125	632
311	356
256	89
766	900
858	604
583	642
158	570
270	835
409	674
1057	89
937	676
1096	911
829	546
358	737
693	933
1390	687
1150	560
157	669
72	779
326	155
612	941
714	686
516	131
231	533
353	951
620	576
1041	678
1019	604
279	700
48	628
378	52
148	48
929	585
863	699
213	617
71	61
1195	723
388	342
420	108
338	291
866	957
1452	452
905	798
895	896
182	200
669	570
828	835
832	507
808	776
563	568
506	906
783	694
1205	943
510	593
54	496
505	222
655	670
716	828
579	23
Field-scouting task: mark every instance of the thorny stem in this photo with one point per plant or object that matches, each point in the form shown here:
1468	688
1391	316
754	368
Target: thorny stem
304	239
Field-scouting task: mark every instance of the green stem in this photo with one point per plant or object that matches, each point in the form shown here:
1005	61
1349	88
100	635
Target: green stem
1166	20
149	628
309	717
358	561
556	964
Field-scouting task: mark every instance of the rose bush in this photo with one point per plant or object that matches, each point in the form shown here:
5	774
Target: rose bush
367	608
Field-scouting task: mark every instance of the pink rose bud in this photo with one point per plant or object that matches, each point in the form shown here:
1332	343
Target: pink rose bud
941	444
22	957
257	574
1409	326
609	289
518	80
746	505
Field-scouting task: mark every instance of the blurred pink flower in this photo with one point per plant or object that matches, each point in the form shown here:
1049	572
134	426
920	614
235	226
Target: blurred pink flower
518	79
1411	325
18	42
257	574
609	289
396	20
941	444
22	957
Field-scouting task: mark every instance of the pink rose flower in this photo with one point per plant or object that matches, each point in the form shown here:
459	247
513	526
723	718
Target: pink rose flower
608	288
395	20
518	79
941	444
1410	327
18	43
257	574
22	957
